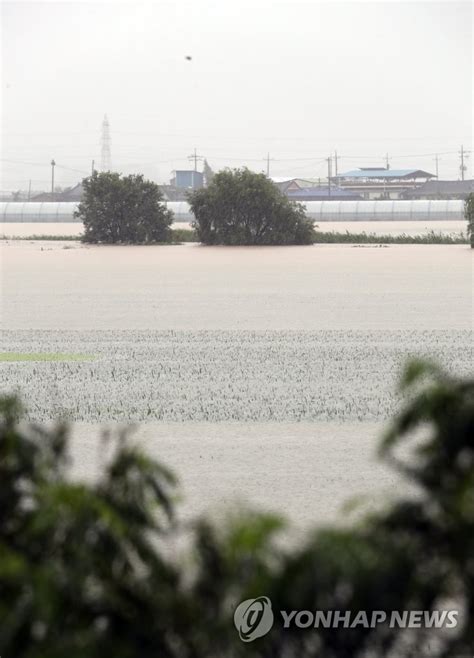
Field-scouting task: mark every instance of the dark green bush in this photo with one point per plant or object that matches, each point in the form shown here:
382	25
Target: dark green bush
120	209
240	207
469	215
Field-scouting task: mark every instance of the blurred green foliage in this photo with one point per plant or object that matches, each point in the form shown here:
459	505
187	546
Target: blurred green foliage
92	569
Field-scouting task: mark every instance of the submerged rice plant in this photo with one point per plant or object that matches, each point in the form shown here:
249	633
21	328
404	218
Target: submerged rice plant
218	376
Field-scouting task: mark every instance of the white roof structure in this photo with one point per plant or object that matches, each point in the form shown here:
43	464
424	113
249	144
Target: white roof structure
320	211
38	211
393	210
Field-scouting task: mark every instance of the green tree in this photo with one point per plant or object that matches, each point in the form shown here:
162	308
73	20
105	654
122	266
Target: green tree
208	173
240	207
87	570
469	215
120	209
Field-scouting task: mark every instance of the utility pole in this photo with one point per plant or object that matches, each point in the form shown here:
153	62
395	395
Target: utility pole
335	163
463	157
387	163
436	161
29	189
329	161
268	159
195	157
92	168
53	164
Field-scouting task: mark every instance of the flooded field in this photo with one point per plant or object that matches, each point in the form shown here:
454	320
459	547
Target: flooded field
306	471
244	366
393	228
396	228
220	376
55	285
27	229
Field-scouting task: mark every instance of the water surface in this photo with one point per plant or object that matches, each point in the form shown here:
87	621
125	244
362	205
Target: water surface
393	228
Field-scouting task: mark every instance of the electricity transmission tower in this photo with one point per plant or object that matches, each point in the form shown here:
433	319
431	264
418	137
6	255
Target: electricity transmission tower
106	158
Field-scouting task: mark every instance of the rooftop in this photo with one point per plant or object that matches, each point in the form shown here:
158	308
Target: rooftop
322	193
394	174
460	188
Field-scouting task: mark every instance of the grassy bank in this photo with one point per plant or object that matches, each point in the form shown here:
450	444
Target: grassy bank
184	235
181	235
56	238
334	237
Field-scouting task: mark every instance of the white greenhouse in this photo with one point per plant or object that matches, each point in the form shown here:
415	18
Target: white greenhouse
383	211
33	211
320	211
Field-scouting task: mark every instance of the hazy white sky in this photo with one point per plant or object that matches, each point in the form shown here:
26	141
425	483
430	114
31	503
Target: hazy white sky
293	78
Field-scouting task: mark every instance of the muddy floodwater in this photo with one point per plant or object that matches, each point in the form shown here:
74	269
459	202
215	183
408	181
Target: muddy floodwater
447	227
259	374
56	285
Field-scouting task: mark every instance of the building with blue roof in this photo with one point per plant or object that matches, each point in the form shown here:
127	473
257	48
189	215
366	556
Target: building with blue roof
380	183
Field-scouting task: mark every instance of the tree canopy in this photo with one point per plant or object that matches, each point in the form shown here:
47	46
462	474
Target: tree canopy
89	569
469	215
120	209
208	173
240	207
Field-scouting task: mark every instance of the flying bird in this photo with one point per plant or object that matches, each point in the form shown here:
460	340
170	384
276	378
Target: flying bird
188	57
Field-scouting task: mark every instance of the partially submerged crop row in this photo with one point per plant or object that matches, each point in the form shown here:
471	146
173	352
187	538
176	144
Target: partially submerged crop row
221	375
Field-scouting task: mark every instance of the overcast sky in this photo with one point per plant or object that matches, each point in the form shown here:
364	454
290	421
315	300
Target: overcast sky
295	79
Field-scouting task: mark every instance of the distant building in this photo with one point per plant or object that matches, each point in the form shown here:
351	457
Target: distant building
305	189
441	189
70	194
17	195
188	179
377	183
286	185
171	193
326	193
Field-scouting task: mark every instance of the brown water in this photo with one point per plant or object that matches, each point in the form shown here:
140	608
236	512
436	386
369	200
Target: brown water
304	470
392	228
395	228
27	229
56	285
